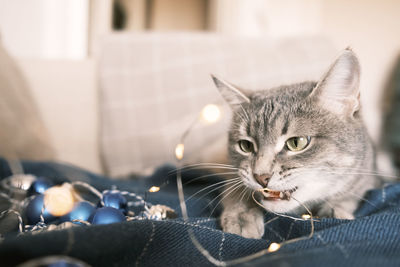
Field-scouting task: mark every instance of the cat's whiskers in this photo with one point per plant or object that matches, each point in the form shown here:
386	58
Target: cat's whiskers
226	195
224	183
210	175
325	170
237	182
354	173
243	193
205	167
209	164
362	198
344	169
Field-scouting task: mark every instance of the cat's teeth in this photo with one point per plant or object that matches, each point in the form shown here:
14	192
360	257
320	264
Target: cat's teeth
286	195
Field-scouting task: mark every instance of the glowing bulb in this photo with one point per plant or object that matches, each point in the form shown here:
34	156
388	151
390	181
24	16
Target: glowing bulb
59	200
306	216
274	247
154	189
211	113
180	148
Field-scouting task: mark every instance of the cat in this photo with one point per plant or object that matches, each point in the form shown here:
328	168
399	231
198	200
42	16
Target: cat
305	143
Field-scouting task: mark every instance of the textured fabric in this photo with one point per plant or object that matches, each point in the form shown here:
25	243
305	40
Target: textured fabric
22	132
372	239
154	85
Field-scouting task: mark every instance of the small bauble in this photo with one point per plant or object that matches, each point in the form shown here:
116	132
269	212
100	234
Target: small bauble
39	186
115	200
34	209
107	215
82	211
17	185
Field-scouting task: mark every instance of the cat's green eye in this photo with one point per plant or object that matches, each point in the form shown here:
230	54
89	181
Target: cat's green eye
246	146
298	143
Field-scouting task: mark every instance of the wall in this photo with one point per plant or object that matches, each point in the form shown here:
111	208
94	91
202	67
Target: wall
372	29
45	28
66	93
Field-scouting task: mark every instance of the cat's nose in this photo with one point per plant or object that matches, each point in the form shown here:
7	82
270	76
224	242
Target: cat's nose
262	179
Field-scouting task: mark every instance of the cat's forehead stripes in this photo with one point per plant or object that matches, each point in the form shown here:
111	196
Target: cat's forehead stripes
267	122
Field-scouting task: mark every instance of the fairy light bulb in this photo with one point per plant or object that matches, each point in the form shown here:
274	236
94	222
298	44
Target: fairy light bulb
274	247
180	148
59	200
211	113
306	216
154	189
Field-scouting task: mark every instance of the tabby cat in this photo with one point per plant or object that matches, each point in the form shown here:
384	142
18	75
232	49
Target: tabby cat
301	144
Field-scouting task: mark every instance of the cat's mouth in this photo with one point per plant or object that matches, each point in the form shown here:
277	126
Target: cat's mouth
277	195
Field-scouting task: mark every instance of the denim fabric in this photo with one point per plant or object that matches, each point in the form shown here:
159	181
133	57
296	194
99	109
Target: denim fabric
372	239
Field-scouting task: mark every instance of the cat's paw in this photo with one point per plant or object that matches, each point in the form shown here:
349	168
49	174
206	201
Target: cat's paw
343	214
247	223
337	212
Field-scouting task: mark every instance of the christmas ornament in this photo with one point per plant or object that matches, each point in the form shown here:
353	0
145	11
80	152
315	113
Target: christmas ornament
107	215
114	200
39	186
35	210
54	261
160	212
17	185
82	211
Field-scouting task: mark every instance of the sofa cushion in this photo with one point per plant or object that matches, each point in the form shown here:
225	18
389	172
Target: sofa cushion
153	85
22	132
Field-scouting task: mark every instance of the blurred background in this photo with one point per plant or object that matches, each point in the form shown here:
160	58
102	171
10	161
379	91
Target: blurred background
78	61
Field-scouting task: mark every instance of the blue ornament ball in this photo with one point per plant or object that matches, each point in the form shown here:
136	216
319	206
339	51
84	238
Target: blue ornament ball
34	209
107	215
39	186
82	211
115	200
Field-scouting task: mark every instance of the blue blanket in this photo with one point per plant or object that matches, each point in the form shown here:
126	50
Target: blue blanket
372	239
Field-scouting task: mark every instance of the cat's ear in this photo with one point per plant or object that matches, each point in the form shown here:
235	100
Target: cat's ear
232	94
338	90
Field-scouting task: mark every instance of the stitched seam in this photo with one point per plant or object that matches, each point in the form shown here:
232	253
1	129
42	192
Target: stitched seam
204	220
290	230
70	241
221	246
275	233
339	246
196	225
383	194
153	230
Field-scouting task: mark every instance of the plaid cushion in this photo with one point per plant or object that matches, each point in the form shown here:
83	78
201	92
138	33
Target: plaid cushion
153	86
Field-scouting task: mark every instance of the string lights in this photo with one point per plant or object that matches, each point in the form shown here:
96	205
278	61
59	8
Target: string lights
59	200
211	113
274	247
154	189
